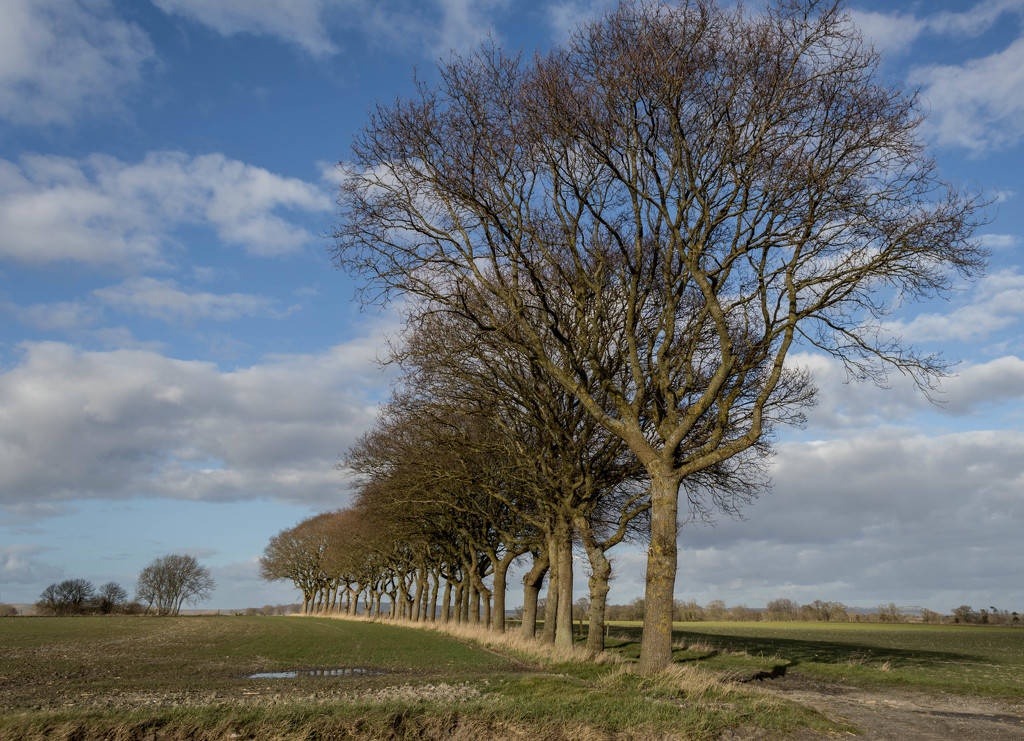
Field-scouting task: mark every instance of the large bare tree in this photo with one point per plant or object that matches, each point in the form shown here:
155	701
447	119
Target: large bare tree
689	189
170	581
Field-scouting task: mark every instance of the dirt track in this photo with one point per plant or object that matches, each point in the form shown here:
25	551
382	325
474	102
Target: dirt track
902	715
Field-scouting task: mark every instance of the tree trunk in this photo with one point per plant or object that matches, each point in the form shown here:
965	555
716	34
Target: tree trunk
500	575
532	582
563	631
488	617
656	645
417	600
482	597
403	599
551	600
446	602
474	604
459	590
600	573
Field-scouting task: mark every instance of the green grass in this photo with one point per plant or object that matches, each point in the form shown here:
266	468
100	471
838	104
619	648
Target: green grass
170	678
959	659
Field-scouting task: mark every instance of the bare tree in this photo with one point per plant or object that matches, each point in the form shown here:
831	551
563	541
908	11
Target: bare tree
69	597
170	581
782	609
689	189
111	597
297	554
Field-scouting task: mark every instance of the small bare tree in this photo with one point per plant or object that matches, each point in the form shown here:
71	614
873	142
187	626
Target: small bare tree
170	581
111	597
686	189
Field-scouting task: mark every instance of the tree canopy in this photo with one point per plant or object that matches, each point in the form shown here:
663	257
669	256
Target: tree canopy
656	213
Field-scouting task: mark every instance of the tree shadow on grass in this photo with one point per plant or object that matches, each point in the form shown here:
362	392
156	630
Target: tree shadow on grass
697	646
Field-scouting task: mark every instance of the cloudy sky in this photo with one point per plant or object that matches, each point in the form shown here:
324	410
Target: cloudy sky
181	366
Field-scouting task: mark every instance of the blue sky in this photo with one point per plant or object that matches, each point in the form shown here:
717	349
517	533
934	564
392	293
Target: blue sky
181	366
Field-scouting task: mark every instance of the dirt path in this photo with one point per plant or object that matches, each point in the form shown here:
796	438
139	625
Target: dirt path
902	715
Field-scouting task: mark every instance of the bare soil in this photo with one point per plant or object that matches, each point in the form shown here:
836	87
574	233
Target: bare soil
903	715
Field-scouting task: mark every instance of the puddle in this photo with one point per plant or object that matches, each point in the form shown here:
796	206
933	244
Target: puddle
345	671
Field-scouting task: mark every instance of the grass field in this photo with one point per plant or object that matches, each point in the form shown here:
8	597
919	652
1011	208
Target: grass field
183	678
175	678
959	659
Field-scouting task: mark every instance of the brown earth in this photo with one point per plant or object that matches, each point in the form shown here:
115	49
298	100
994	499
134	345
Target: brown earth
900	715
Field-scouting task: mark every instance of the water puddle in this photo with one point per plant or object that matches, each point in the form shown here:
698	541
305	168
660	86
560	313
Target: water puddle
345	671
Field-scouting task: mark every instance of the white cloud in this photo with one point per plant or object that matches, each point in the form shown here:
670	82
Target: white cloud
890	515
978	105
61	57
996	302
19	565
977	20
999	381
975	388
464	23
76	425
162	299
300	22
63	315
1000	241
102	210
433	27
892	33
565	17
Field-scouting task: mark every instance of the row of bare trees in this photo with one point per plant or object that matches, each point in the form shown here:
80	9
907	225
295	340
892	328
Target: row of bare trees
163	586
609	254
81	597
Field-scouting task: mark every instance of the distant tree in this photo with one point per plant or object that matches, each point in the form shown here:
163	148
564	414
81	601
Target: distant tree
134	607
10	610
825	611
111	597
687	612
715	610
69	597
889	613
782	609
930	616
965	614
297	554
743	614
635	609
172	580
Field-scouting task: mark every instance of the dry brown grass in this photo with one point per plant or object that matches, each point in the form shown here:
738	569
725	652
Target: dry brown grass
511	641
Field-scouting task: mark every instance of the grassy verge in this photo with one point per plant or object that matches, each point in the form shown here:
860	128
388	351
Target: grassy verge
164	679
